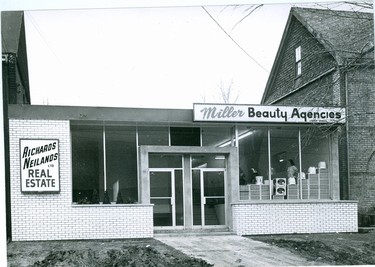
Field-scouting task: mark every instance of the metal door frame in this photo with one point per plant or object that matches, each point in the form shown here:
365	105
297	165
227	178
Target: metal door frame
172	198
203	197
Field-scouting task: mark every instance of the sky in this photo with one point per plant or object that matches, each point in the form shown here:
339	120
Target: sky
164	57
151	57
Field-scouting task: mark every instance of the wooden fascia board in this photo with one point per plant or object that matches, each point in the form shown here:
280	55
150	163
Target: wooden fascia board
276	63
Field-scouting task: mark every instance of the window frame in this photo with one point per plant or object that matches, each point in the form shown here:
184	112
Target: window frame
298	61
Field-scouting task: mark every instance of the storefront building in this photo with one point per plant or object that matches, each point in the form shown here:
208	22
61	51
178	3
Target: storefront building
98	173
92	173
318	65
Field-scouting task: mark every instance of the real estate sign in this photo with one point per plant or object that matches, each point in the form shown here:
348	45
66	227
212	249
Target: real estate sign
268	114
40	165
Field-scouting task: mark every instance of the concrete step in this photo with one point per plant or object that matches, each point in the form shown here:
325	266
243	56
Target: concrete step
194	232
366	229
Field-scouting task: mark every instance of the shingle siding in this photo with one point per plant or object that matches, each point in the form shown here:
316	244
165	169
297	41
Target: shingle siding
315	61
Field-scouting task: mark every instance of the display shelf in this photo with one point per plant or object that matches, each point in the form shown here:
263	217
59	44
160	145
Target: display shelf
292	191
254	192
316	186
259	191
244	192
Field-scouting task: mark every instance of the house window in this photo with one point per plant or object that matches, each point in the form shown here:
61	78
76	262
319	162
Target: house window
298	61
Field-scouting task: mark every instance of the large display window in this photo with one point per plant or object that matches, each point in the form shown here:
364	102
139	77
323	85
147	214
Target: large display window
121	164
286	163
274	162
253	154
87	162
104	164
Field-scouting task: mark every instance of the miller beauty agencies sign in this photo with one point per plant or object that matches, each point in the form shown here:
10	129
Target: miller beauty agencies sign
268	114
39	165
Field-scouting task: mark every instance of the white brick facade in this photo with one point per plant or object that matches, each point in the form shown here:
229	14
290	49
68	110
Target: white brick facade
285	217
52	216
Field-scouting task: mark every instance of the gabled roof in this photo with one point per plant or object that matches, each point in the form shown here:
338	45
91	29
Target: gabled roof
13	39
347	33
344	34
11	25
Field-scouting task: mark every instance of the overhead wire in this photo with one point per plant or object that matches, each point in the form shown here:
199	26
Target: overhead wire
234	41
40	32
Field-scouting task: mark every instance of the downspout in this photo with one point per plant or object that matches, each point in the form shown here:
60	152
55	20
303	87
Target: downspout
347	128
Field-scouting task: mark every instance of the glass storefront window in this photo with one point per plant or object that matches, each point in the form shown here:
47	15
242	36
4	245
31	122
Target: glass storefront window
284	162
104	159
274	162
284	152
185	136
299	163
253	154
121	163
208	161
153	136
87	162
315	148
316	163
217	136
165	161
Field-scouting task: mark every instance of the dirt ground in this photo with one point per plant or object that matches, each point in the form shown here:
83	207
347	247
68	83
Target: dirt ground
333	249
97	253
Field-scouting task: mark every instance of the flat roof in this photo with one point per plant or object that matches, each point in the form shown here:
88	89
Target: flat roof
117	115
114	114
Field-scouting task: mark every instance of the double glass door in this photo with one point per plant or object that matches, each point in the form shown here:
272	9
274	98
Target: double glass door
187	195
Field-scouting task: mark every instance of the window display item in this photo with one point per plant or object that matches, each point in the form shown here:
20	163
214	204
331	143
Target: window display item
281	186
259	179
322	165
312	170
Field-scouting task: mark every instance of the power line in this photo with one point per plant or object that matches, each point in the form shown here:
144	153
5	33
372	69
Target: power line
234	41
41	34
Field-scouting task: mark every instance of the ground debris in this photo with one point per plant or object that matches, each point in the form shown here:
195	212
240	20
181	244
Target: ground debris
332	249
126	256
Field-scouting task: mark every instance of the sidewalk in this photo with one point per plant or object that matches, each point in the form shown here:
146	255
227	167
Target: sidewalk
232	250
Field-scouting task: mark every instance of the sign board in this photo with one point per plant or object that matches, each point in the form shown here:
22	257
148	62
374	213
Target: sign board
267	114
40	165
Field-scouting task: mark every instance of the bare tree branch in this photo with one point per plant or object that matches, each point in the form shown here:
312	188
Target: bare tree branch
248	14
227	92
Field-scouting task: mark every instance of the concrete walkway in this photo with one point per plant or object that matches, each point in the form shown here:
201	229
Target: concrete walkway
232	250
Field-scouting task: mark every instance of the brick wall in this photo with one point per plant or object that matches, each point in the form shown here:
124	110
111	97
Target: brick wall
52	216
361	117
295	217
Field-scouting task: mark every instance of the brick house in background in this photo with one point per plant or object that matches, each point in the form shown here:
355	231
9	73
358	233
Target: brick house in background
326	58
15	77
